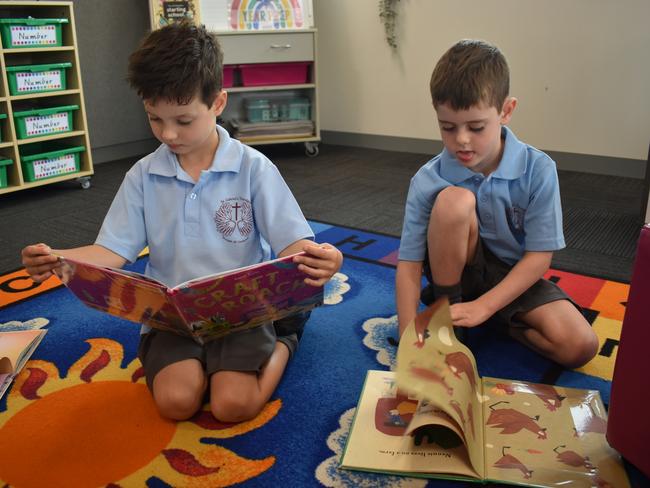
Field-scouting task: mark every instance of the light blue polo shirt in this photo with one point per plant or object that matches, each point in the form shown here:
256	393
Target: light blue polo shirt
518	205
226	220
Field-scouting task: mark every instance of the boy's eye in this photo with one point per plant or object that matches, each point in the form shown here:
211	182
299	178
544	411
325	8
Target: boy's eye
477	129
184	122
153	119
447	128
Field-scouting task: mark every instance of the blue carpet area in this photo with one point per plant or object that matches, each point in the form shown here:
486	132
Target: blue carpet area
350	334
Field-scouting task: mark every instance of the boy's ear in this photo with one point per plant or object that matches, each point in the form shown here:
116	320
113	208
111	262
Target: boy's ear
219	104
507	110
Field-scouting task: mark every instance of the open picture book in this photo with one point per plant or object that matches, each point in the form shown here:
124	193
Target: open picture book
203	308
16	347
435	417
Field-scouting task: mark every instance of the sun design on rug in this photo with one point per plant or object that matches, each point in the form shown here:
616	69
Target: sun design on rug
98	426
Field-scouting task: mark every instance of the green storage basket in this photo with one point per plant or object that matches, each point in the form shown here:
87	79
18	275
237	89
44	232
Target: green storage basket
2	117
37	78
50	164
26	33
3	171
43	122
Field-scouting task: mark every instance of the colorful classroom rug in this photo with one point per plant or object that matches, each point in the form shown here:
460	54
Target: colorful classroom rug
80	413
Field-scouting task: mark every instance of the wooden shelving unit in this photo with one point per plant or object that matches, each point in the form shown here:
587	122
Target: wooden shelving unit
11	146
273	46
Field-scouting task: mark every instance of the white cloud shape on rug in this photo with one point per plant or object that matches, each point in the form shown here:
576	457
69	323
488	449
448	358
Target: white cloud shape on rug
329	474
35	323
382	334
335	288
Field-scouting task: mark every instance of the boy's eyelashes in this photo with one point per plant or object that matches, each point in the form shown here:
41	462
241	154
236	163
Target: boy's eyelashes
452	129
179	122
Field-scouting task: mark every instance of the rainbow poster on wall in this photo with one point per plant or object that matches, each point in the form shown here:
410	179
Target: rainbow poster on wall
269	14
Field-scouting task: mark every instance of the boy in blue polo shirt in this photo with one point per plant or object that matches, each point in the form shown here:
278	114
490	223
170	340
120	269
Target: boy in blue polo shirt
202	203
483	217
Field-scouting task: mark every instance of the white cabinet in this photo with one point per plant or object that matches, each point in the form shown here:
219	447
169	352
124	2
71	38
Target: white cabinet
62	138
243	50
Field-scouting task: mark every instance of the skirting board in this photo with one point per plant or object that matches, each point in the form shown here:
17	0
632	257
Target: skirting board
584	163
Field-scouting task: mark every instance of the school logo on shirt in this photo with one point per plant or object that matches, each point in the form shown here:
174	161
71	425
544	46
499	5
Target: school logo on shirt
516	216
234	219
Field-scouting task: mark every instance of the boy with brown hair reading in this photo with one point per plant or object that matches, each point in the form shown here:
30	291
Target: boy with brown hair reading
483	217
202	203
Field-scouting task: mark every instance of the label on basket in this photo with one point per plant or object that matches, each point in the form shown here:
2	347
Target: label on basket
44	168
46	124
33	35
27	81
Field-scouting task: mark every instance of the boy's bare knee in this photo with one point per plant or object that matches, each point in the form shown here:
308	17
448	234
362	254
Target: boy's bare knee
580	350
453	204
229	407
178	403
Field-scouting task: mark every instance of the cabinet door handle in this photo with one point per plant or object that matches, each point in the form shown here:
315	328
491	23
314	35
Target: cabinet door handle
280	46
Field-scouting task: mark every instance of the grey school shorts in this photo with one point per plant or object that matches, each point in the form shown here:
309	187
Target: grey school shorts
247	350
486	271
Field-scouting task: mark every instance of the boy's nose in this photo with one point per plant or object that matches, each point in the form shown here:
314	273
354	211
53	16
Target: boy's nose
168	134
462	137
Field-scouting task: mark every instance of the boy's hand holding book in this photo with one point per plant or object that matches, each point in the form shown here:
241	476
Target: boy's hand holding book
39	261
321	262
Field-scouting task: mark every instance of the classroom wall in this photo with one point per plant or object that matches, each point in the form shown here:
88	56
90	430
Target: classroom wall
107	32
579	69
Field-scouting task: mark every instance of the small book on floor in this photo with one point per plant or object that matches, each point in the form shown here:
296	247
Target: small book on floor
435	417
204	308
16	347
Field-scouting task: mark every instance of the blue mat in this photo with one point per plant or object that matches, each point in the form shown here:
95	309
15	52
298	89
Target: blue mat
301	435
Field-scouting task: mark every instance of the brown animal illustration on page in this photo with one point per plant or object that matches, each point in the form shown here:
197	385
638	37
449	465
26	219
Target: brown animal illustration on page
470	419
457	408
572	458
511	421
508	461
459	363
421	323
548	395
432	377
588	422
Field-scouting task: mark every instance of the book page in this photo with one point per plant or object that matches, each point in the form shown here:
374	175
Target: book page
379	438
434	365
246	297
16	347
125	294
545	435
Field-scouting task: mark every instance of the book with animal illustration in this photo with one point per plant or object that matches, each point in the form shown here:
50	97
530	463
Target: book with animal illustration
203	308
16	347
435	417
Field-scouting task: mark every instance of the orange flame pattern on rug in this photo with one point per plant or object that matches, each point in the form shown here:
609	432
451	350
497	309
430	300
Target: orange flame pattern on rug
98	426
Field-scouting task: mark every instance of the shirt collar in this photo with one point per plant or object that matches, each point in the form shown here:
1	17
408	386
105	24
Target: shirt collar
227	157
511	166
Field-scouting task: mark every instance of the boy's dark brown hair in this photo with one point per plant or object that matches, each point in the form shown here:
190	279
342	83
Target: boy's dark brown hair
175	63
470	72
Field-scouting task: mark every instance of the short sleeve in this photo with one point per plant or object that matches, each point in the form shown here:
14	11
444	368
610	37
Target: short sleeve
543	220
123	230
277	213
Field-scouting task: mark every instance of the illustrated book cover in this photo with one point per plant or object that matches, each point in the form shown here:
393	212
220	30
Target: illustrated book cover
203	308
16	347
435	417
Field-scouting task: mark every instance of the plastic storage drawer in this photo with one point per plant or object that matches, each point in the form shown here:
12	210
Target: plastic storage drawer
26	33
274	73
43	122
3	171
37	78
49	164
2	117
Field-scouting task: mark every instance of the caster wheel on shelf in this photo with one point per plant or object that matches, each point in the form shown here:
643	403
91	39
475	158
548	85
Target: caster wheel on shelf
84	182
311	149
